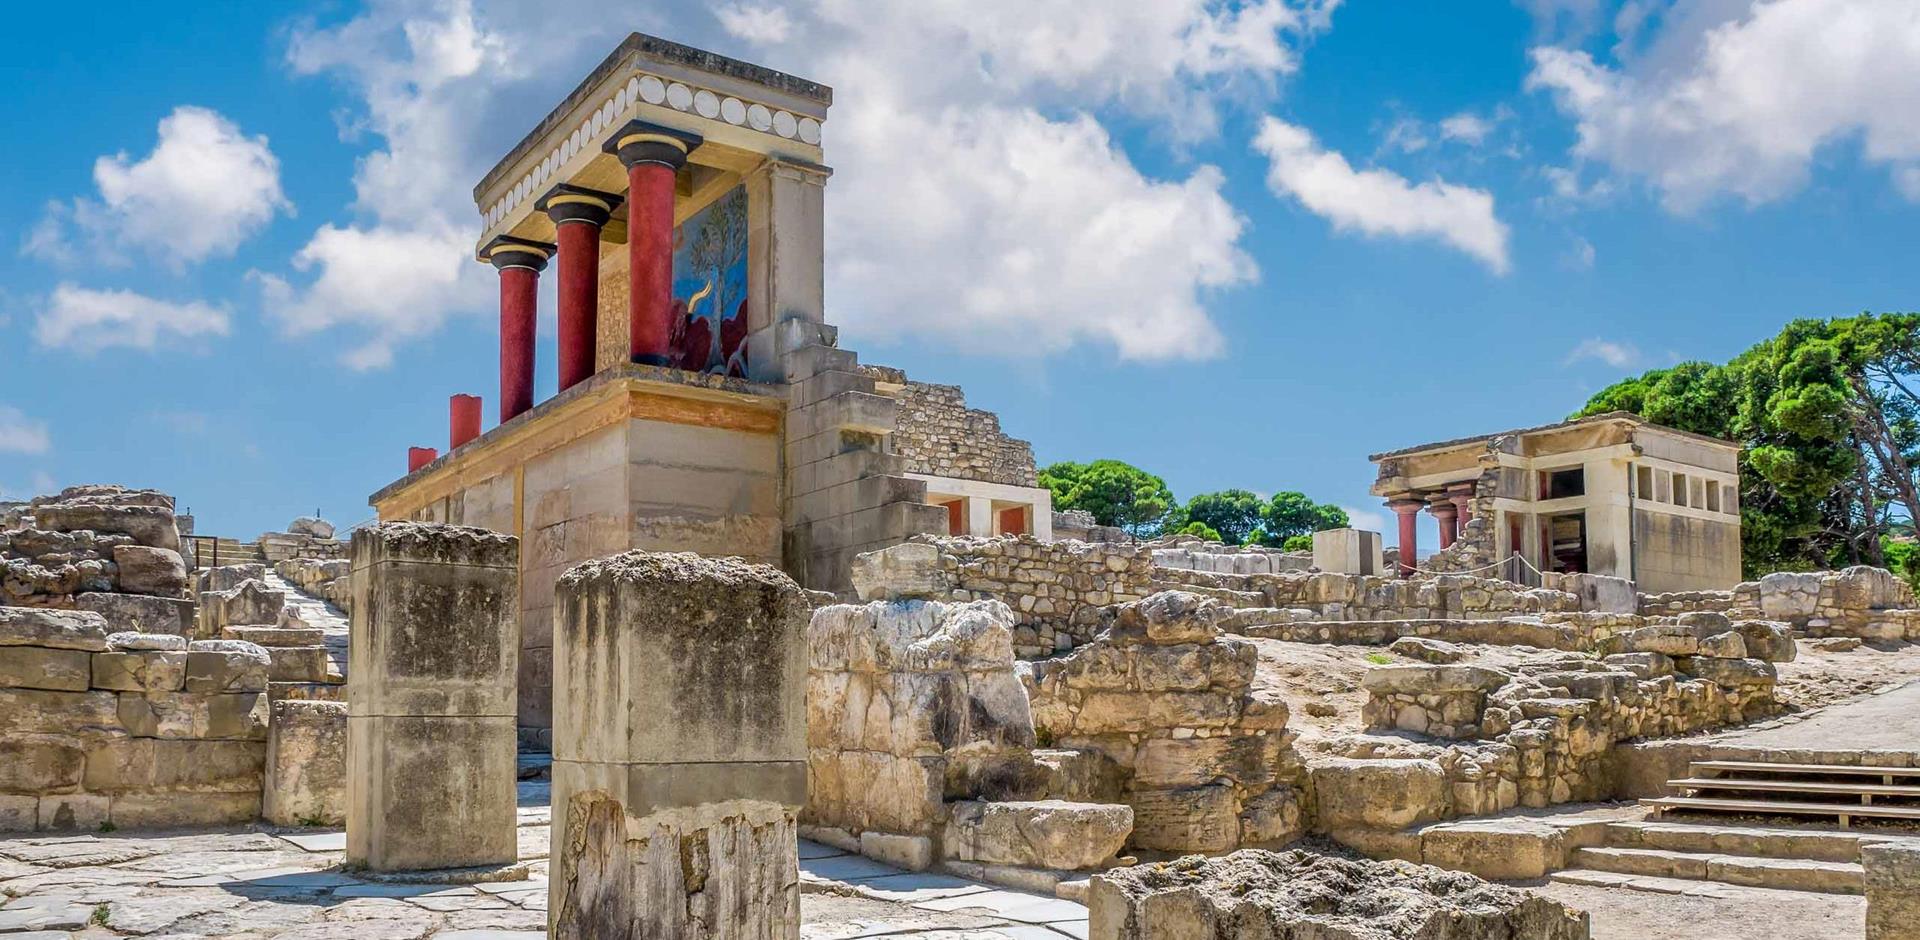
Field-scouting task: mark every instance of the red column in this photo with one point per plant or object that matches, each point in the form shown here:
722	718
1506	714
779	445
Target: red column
520	262
652	155
418	457
1462	498
1443	511
463	420
578	215
1409	511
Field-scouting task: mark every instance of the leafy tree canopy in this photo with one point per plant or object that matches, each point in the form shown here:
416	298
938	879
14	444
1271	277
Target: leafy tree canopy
1234	514
1117	493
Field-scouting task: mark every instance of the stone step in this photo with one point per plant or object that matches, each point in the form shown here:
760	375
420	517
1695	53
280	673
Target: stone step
310	691
1886	774
1792	874
276	636
1758	841
1845	812
1860	788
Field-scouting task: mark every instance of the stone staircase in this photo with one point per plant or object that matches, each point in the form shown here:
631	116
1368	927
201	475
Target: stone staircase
308	646
1754	824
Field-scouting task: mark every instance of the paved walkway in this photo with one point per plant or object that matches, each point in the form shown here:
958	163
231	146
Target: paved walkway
1887	721
319	613
286	886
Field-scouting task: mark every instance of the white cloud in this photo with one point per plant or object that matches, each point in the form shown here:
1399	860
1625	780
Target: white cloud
89	320
1466	127
756	24
1580	255
20	434
205	189
1739	100
1378	202
1617	355
979	116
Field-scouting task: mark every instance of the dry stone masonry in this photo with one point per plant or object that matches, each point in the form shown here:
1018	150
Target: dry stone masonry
679	749
940	436
128	729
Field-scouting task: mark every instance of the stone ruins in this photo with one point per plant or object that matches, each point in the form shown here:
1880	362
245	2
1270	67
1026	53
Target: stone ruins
737	636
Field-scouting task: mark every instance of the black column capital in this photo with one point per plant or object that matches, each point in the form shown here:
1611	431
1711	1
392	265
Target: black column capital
644	142
507	251
564	203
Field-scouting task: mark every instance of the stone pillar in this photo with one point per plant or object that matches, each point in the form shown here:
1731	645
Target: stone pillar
653	156
433	661
1445	514
418	457
786	257
463	420
679	746
1462	498
520	262
979	516
1409	510
1893	890
578	214
306	774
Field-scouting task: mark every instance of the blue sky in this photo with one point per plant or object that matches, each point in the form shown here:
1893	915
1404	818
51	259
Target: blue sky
1241	245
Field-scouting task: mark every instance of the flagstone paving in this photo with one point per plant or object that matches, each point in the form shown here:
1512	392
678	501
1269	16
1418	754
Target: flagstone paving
273	885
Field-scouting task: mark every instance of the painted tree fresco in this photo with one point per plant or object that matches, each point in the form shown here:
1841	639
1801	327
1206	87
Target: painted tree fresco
710	287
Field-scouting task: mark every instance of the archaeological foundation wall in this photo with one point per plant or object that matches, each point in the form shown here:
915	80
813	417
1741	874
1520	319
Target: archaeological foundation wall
940	436
1861	601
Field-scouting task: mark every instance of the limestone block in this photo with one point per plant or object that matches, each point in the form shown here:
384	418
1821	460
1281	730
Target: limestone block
1191	819
35	763
1169	617
1500	850
252	602
431	791
676	659
148	525
298	664
173	810
906	570
1187	762
238	716
143	671
306	765
913	853
1257	893
159	572
55	629
1428	679
1438	652
435	621
19	812
72	812
1348	551
721	871
138	765
140	613
228	577
1378	793
311	525
226	666
1051	834
1893	889
128	641
35	667
38	710
1767	639
1085	776
1729	673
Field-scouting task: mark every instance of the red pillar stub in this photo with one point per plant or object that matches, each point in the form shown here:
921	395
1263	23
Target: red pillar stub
579	214
418	457
1444	514
519	262
463	420
653	155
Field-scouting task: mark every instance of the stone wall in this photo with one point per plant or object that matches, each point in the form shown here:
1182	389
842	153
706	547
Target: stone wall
1080	526
1171	703
1861	601
1195	555
1055	589
128	729
325	578
109	549
940	436
1331	596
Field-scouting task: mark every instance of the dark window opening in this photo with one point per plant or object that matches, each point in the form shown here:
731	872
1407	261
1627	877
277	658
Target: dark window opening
1560	484
1567	543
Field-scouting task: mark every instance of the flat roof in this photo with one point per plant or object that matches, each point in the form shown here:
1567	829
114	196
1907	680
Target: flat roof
653	47
1624	416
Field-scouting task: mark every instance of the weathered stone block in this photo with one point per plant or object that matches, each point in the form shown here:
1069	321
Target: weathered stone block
55	629
906	570
1378	794
173	810
35	667
140	671
1893	889
722	871
431	791
1191	819
140	613
132	765
237	716
435	619
40	764
159	572
148	525
226	666
1040	834
306	765
1256	894
38	710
